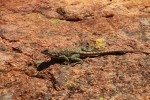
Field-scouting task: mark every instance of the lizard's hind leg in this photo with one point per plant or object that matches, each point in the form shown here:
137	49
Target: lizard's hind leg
86	48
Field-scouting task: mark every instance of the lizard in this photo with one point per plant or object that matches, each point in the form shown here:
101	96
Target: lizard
77	55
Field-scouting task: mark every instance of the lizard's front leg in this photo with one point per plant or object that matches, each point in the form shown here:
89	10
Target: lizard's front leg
63	57
76	58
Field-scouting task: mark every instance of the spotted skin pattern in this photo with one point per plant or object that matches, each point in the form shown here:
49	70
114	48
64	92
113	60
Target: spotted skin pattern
76	55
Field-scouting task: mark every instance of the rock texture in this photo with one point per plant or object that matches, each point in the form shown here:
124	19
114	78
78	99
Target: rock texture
29	26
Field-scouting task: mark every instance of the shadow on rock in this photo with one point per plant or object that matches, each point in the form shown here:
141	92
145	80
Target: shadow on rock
47	64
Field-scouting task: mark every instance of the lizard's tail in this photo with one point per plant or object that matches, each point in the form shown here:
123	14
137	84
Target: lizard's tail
121	52
117	52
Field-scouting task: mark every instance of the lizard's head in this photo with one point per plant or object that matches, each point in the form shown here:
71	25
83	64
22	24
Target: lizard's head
50	52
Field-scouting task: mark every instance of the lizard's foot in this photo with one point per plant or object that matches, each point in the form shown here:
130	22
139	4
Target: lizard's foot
73	64
77	61
67	63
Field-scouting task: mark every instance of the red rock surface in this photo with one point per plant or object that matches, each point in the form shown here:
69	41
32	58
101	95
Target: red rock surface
29	26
